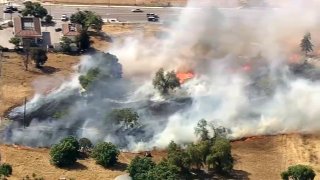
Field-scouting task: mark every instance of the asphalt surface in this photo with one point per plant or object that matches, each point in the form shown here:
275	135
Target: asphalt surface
124	14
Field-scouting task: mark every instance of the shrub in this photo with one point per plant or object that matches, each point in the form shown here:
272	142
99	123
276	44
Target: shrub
298	172
125	116
106	154
164	170
5	169
139	167
65	153
86	80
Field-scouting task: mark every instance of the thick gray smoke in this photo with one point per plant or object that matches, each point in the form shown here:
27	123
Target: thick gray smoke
245	80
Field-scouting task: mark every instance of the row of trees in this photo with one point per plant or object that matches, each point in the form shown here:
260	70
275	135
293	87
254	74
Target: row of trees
212	152
67	151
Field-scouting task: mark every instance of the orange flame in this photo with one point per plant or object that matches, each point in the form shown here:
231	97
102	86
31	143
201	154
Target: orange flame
184	76
295	58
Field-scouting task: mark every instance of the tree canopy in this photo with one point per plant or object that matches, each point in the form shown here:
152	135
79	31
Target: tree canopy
139	167
298	172
83	40
65	153
34	9
126	116
5	170
164	170
87	79
164	81
39	56
306	44
106	154
15	41
65	44
87	19
201	130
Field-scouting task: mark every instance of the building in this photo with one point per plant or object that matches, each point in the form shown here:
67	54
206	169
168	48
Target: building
28	29
71	30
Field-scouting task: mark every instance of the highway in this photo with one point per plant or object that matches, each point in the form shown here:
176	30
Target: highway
124	14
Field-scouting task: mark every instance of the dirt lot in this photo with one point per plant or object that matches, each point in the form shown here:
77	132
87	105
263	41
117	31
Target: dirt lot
256	158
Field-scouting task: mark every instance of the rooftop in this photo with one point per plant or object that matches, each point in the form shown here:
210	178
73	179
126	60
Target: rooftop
71	29
27	27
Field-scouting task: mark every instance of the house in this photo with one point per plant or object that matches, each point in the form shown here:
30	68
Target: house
28	29
71	30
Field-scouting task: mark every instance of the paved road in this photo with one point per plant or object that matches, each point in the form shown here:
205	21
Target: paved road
124	14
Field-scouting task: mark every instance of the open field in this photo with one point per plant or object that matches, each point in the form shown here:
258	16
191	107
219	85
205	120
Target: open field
256	158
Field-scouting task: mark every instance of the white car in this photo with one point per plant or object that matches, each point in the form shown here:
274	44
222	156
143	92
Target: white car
113	20
64	17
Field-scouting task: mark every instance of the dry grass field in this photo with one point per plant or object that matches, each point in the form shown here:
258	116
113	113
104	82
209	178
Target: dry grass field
257	158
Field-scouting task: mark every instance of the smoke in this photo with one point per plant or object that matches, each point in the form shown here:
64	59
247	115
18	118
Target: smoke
243	81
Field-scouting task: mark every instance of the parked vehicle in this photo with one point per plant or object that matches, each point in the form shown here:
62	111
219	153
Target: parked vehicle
64	17
136	10
7	10
58	29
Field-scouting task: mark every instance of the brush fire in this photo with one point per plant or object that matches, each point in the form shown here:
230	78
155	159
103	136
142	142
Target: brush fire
273	98
184	76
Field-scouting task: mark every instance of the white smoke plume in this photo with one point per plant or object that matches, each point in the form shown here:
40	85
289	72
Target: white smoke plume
243	80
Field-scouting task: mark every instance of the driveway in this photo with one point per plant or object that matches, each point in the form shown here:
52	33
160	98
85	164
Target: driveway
50	36
6	34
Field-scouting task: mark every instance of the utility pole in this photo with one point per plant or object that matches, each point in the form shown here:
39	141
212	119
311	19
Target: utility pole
24	112
1	83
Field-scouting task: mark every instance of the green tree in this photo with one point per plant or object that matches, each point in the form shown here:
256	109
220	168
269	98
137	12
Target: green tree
127	116
48	19
65	153
139	167
85	144
86	80
178	157
195	155
163	82
15	41
164	170
65	44
298	172
87	19
201	130
5	169
204	149
106	154
83	40
220	157
34	9
39	56
306	44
